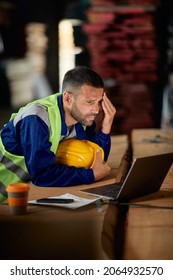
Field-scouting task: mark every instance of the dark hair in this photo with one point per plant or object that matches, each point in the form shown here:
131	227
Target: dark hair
81	75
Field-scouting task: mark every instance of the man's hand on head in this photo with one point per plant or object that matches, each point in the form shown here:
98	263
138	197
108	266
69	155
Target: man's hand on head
109	113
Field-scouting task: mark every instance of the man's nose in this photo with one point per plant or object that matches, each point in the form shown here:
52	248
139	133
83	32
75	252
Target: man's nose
95	109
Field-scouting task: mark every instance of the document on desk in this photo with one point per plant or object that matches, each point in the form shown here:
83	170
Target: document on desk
77	201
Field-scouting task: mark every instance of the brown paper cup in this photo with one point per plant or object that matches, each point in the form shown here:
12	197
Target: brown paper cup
18	198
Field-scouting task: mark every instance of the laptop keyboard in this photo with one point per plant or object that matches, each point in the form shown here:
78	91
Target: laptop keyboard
110	191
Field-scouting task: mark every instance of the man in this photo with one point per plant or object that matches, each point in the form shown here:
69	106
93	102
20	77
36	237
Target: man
30	139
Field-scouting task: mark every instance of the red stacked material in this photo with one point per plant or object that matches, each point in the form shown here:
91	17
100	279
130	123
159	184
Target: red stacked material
121	41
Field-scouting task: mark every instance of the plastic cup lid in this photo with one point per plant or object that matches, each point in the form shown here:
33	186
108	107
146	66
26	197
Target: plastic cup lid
17	187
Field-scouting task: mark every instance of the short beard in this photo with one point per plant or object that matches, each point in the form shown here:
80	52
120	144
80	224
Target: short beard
79	117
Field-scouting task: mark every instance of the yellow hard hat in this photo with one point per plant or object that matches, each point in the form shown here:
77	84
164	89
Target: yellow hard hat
78	153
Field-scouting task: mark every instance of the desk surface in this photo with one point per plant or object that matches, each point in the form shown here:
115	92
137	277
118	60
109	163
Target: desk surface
150	230
111	232
54	232
146	228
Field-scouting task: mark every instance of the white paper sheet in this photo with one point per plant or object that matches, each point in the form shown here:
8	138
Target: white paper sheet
78	201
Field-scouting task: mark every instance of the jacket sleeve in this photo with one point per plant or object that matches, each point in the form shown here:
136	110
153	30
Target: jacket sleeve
40	161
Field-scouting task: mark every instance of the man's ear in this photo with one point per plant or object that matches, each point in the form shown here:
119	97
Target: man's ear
67	97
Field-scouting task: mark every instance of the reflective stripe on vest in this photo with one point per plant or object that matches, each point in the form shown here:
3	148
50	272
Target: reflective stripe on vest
10	165
3	190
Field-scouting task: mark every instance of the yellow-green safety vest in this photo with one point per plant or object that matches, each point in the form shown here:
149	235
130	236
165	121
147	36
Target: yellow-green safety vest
12	167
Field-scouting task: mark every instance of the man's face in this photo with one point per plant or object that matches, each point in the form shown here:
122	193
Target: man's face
87	105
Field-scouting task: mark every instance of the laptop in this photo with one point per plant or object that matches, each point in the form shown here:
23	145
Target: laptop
144	177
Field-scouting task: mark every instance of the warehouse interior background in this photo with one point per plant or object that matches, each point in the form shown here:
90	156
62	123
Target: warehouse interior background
128	42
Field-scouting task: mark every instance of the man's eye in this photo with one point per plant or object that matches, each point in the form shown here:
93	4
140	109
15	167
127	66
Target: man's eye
90	102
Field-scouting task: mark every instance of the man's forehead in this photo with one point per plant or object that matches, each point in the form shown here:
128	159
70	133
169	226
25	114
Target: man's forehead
91	92
92	97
